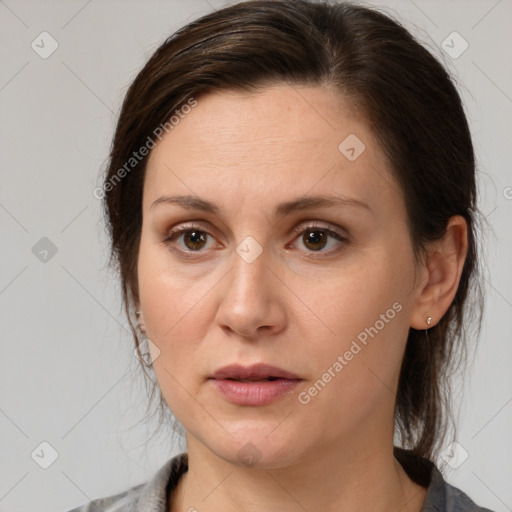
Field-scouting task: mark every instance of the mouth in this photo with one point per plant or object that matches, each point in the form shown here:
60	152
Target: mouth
254	373
255	385
268	379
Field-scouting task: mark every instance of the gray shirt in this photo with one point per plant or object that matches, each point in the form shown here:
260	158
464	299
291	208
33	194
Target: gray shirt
152	496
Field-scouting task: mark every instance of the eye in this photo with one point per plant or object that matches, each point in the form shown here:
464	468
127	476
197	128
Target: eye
193	238
316	238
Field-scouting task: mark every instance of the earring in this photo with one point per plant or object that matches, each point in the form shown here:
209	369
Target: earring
429	320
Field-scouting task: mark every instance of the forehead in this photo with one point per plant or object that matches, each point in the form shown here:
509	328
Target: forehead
281	140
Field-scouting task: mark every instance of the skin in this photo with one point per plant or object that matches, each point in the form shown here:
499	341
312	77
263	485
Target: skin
293	307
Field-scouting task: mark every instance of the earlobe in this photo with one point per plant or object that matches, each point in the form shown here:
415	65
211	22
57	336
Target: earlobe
444	264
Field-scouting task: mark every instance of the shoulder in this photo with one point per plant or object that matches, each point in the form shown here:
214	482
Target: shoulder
147	497
446	497
122	502
441	496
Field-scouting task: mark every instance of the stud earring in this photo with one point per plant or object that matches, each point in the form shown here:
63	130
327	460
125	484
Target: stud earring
429	320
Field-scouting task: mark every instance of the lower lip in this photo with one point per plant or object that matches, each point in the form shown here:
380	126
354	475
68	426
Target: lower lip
254	393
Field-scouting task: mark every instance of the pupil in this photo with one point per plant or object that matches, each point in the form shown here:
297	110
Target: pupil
315	237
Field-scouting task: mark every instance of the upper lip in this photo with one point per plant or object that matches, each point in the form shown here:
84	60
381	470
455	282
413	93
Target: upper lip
255	371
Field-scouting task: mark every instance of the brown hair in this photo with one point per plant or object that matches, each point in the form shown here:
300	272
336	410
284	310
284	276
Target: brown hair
409	102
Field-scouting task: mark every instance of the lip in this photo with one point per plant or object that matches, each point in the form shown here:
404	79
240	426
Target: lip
255	371
259	392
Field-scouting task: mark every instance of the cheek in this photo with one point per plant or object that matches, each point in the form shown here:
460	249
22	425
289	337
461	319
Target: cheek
175	323
365	297
369	337
174	309
165	294
359	360
356	376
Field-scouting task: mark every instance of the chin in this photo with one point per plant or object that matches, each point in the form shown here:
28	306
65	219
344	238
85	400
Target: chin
256	444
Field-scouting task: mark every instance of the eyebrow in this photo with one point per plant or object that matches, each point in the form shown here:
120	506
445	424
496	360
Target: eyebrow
190	202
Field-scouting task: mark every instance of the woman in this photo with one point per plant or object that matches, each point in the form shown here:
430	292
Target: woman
291	203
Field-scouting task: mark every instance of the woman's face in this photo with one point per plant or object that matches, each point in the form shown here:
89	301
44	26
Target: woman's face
296	255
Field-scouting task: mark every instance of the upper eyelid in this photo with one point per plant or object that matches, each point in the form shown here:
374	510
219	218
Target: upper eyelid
183	228
325	225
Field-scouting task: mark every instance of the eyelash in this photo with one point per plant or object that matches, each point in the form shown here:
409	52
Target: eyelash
178	232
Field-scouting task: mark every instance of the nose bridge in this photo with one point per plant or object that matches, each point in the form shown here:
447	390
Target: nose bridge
250	271
248	301
250	258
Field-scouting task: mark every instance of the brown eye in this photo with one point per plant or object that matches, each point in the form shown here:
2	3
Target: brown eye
320	239
194	239
315	240
188	239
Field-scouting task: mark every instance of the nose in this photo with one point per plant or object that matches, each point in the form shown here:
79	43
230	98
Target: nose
252	302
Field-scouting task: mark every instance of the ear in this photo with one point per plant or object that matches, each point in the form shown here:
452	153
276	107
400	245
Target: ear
444	264
139	316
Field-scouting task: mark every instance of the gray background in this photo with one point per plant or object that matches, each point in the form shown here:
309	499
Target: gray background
67	373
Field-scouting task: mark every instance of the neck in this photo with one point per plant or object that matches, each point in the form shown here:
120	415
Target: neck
340	479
